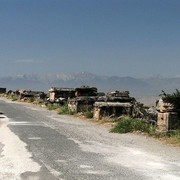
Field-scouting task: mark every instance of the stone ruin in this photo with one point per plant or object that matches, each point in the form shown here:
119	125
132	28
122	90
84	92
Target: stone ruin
25	95
114	104
168	117
84	99
60	95
117	104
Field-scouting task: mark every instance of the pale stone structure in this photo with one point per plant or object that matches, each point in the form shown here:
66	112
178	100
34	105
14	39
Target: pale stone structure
167	117
167	121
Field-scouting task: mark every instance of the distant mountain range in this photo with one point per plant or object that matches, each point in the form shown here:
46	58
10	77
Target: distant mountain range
138	87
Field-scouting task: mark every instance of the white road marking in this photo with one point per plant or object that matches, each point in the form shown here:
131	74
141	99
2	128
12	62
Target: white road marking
85	166
24	123
96	172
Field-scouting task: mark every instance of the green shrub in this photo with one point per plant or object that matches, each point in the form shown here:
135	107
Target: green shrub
39	101
171	137
173	98
71	112
30	100
52	106
14	99
130	125
88	114
64	110
174	134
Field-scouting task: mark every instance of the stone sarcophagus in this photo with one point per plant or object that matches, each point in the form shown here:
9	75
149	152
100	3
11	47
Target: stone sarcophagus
168	117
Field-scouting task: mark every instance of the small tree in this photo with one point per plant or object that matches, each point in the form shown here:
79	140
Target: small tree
173	98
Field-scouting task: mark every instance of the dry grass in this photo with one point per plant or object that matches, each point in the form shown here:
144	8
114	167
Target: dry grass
172	137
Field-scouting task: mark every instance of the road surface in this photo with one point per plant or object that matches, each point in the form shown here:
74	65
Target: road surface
39	144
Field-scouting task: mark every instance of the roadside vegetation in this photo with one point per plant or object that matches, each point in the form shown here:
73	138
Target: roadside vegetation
88	114
30	100
38	102
61	109
53	107
14	99
64	110
173	98
129	125
171	137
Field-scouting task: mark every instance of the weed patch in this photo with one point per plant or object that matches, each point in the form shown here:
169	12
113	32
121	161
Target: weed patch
88	114
14	99
64	110
171	137
52	107
130	125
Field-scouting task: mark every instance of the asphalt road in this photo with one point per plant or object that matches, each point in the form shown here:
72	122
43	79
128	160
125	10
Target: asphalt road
39	144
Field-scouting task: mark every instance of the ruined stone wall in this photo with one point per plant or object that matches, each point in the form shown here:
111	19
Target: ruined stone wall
168	117
167	121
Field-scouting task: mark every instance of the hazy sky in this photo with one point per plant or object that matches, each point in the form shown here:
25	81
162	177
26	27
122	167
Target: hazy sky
106	37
